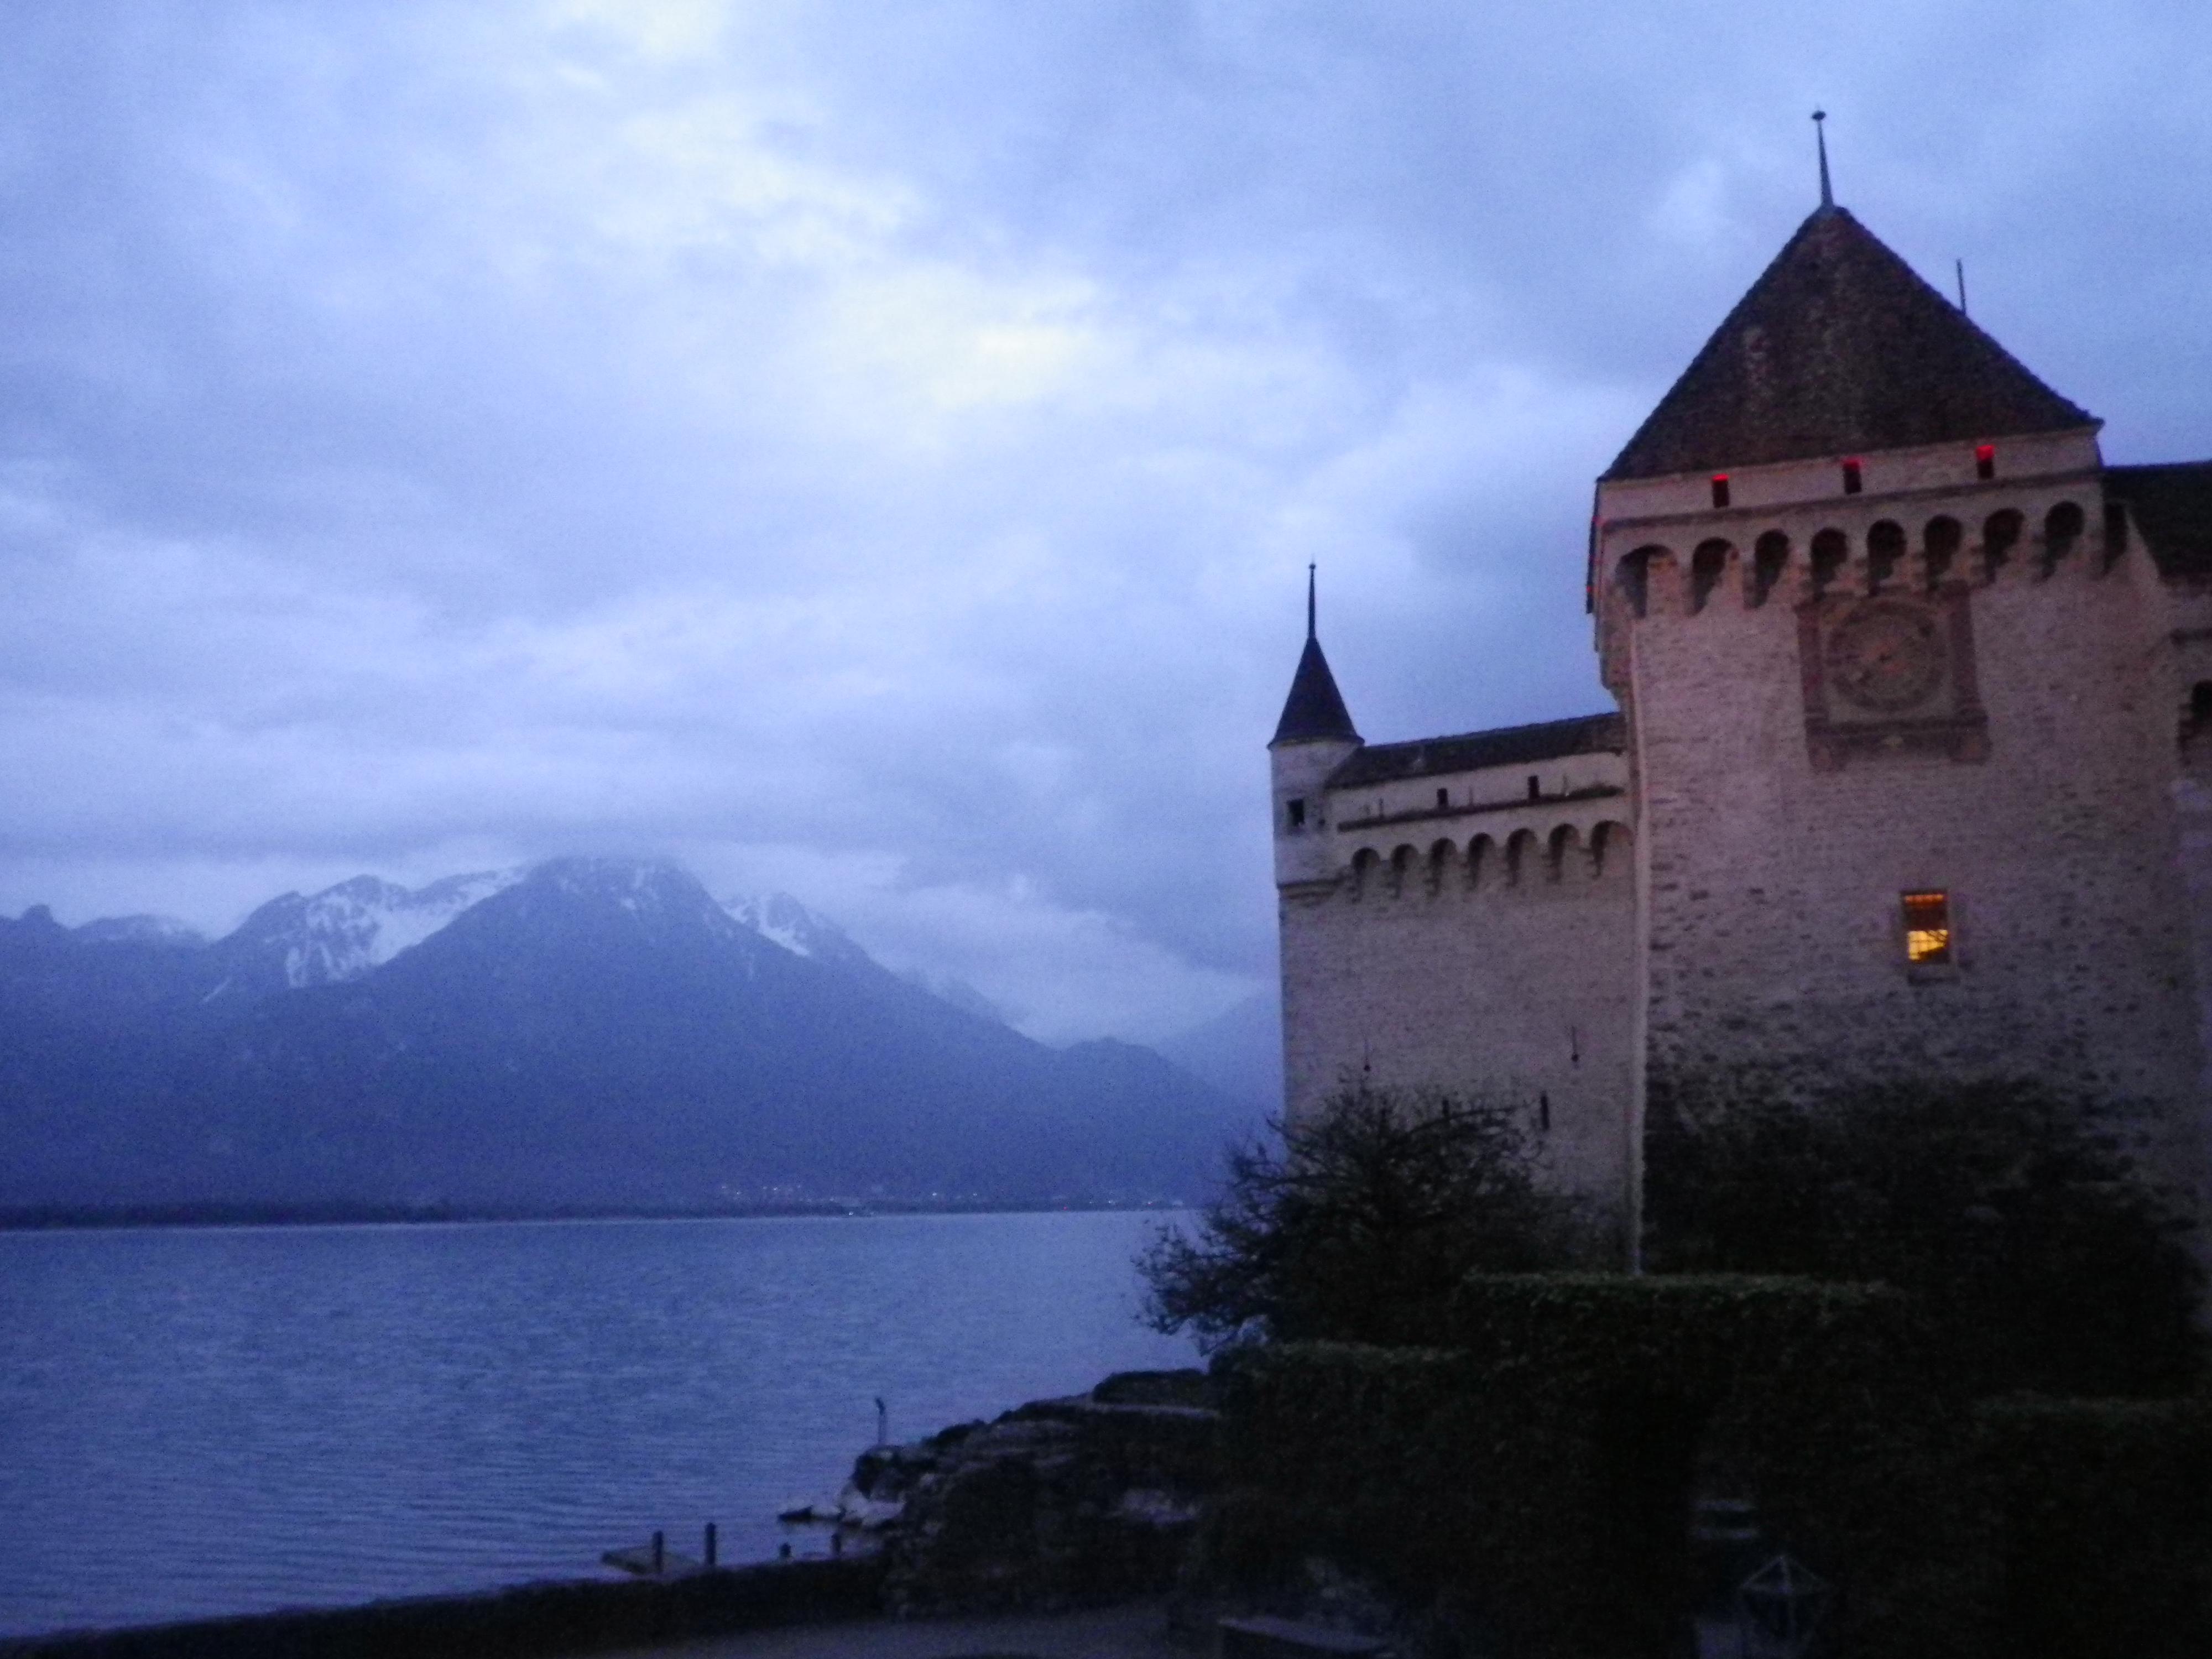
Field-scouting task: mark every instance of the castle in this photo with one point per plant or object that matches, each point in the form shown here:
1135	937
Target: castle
1910	775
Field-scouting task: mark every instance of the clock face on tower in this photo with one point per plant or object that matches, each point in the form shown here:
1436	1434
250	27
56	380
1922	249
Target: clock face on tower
1891	675
1887	657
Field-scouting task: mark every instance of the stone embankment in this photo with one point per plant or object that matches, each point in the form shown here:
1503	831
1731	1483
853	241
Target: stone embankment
1057	1503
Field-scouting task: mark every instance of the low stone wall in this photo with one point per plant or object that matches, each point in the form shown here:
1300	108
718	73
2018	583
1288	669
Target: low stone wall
525	1622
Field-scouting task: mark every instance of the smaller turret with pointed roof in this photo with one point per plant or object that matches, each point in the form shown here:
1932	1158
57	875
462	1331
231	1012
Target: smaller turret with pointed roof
1315	710
1312	739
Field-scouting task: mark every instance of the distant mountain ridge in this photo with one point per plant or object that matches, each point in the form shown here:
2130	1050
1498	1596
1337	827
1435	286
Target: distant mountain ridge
588	1032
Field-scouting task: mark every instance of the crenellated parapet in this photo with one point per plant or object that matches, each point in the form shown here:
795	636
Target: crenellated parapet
1957	518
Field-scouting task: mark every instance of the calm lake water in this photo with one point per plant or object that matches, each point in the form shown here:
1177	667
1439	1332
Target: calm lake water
196	1422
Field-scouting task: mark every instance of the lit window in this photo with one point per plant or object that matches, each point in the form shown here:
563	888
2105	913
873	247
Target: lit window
1927	929
1985	460
1720	489
1297	812
1852	479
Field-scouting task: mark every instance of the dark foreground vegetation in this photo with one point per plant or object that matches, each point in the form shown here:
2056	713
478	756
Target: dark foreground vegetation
522	1623
1950	1369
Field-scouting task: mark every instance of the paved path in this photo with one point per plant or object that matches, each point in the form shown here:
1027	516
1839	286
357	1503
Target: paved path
1137	1630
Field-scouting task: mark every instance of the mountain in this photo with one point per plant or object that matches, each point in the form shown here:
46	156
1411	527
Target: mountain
292	943
1239	1051
779	917
589	1033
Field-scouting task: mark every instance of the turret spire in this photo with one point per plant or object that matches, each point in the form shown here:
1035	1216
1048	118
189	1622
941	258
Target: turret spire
1820	138
1314	709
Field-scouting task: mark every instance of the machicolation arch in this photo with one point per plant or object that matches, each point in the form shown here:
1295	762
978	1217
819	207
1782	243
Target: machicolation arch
2062	529
1890	561
1572	853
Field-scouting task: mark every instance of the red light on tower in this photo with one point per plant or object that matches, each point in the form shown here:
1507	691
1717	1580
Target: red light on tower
1720	489
1985	460
1853	478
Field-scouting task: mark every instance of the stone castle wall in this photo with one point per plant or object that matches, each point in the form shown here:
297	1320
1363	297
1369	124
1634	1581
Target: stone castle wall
1773	932
1508	973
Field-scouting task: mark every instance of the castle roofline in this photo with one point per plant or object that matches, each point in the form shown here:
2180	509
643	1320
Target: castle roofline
1471	751
2171	507
1838	348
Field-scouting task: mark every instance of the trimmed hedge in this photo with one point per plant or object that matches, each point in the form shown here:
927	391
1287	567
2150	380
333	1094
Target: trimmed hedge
2099	1517
1536	1478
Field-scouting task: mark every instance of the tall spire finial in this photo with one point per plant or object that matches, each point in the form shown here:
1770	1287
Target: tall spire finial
1309	602
1820	137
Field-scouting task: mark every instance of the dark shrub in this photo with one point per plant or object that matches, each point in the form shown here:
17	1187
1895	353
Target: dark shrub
2017	1214
1361	1224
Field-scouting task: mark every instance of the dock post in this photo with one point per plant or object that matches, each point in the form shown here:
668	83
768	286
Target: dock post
710	1543
660	1550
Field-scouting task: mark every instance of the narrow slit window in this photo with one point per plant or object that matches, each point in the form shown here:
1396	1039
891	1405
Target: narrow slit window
1534	789
1854	480
1985	461
1720	489
1927	929
1297	812
1444	799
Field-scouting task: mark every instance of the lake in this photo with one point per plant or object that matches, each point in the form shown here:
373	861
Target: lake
204	1421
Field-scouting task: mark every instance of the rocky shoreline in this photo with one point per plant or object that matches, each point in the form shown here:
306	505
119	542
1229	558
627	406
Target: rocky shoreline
1057	1503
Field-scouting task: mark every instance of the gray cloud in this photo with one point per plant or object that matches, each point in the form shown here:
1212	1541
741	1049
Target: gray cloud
874	451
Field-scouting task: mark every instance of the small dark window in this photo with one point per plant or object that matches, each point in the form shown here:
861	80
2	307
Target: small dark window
1720	489
2200	706
1543	1114
1985	461
1534	789
1927	929
1852	482
1443	799
1297	812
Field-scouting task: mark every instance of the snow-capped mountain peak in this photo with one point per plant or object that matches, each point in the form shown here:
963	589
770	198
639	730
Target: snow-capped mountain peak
140	930
343	932
782	919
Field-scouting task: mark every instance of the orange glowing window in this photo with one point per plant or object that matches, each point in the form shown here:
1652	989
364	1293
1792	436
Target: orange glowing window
1927	929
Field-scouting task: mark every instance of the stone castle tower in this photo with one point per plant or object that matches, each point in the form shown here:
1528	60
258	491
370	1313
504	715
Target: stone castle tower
1909	775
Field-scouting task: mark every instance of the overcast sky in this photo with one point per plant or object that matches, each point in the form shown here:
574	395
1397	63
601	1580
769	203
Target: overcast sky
872	450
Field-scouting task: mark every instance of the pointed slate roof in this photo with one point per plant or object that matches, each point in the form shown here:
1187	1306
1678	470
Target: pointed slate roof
1471	751
1839	347
2172	505
1314	709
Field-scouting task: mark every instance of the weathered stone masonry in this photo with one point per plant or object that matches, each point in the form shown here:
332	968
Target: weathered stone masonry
1880	622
